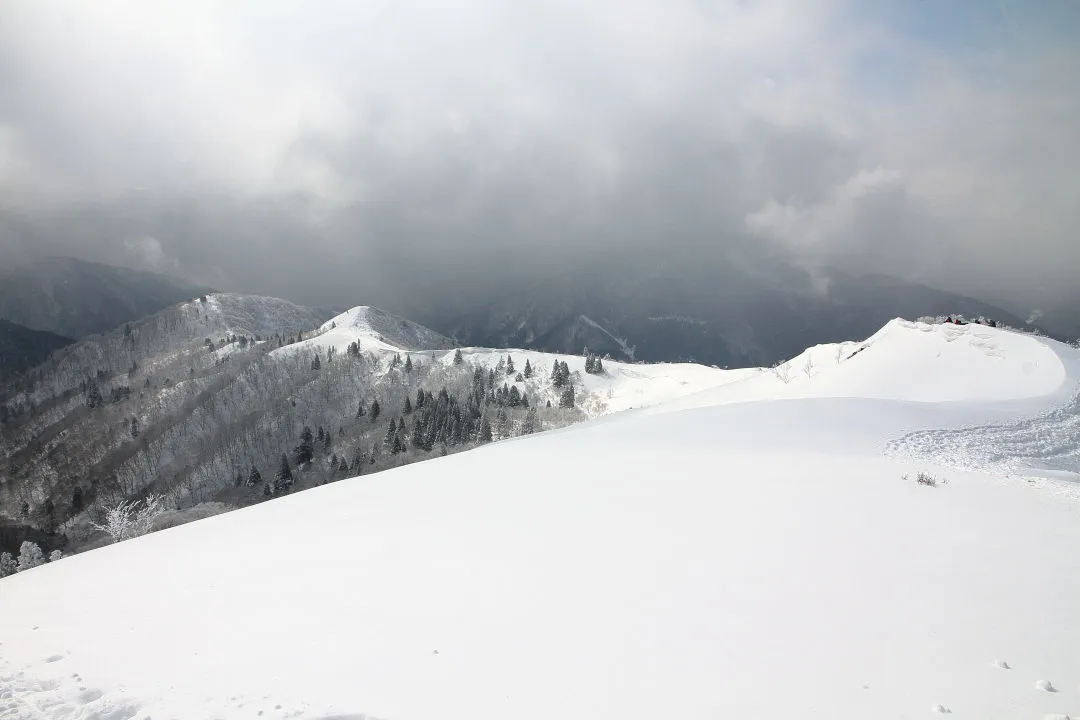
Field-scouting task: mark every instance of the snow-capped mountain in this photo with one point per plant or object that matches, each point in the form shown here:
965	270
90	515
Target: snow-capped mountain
760	548
212	402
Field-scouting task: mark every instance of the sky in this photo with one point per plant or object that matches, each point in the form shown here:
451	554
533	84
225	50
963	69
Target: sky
339	153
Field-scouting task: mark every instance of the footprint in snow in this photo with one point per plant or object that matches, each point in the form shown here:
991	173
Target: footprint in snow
1002	665
941	709
1045	686
54	658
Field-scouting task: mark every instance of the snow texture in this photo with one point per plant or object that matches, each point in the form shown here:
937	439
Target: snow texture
742	550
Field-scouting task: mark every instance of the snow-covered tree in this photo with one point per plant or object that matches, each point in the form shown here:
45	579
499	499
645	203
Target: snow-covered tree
131	519
458	359
509	365
374	412
56	555
305	451
30	556
8	565
254	476
528	371
566	400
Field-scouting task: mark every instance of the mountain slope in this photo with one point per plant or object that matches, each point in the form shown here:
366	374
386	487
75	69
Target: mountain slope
75	298
754	558
22	348
206	401
744	312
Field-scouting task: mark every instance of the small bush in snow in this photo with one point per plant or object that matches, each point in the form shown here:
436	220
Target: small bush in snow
56	555
8	565
924	479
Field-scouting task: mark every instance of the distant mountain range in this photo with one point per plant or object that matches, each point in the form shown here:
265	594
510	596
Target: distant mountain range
74	298
750	311
22	348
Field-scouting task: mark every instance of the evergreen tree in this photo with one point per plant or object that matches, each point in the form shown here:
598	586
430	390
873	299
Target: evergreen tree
530	424
589	364
421	397
326	441
343	467
407	409
513	397
390	440
360	410
134	428
408	363
254	477
305	451
76	499
458	359
320	434
283	481
566	400
509	365
239	480
316	363
598	366
93	395
485	430
8	565
374	410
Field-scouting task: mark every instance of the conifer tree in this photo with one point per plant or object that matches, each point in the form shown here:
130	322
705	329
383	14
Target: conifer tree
458	359
305	451
485	430
408	406
509	365
528	372
284	478
408	363
390	440
566	400
360	410
374	410
254	477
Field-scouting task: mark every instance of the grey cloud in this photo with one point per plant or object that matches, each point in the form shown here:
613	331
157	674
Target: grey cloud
338	153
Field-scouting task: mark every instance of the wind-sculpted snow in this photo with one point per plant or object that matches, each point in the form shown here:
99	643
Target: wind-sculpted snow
1046	446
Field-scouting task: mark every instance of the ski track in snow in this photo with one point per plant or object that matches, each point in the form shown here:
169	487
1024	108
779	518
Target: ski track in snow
1040	449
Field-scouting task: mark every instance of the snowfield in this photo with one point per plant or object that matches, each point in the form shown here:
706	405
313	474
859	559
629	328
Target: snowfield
747	547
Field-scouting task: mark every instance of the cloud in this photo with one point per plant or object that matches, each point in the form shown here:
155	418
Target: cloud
343	152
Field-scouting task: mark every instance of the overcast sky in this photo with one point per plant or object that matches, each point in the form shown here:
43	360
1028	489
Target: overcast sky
334	151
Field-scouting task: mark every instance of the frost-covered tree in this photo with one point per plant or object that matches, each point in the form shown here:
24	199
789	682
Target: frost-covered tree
316	364
131	519
56	555
566	400
30	556
374	413
360	410
8	564
485	430
408	406
408	364
254	476
510	365
531	423
528	371
390	439
458	359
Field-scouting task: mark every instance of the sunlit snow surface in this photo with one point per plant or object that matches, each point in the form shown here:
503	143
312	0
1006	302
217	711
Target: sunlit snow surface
747	548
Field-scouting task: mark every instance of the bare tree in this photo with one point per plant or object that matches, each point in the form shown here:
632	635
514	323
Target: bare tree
782	371
808	366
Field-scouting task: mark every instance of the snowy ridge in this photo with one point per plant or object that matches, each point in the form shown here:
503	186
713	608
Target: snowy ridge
745	551
376	331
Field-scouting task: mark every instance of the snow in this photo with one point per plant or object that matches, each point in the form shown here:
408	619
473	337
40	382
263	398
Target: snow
744	551
376	330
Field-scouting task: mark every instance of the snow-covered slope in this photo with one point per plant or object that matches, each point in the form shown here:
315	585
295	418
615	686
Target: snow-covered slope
730	554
